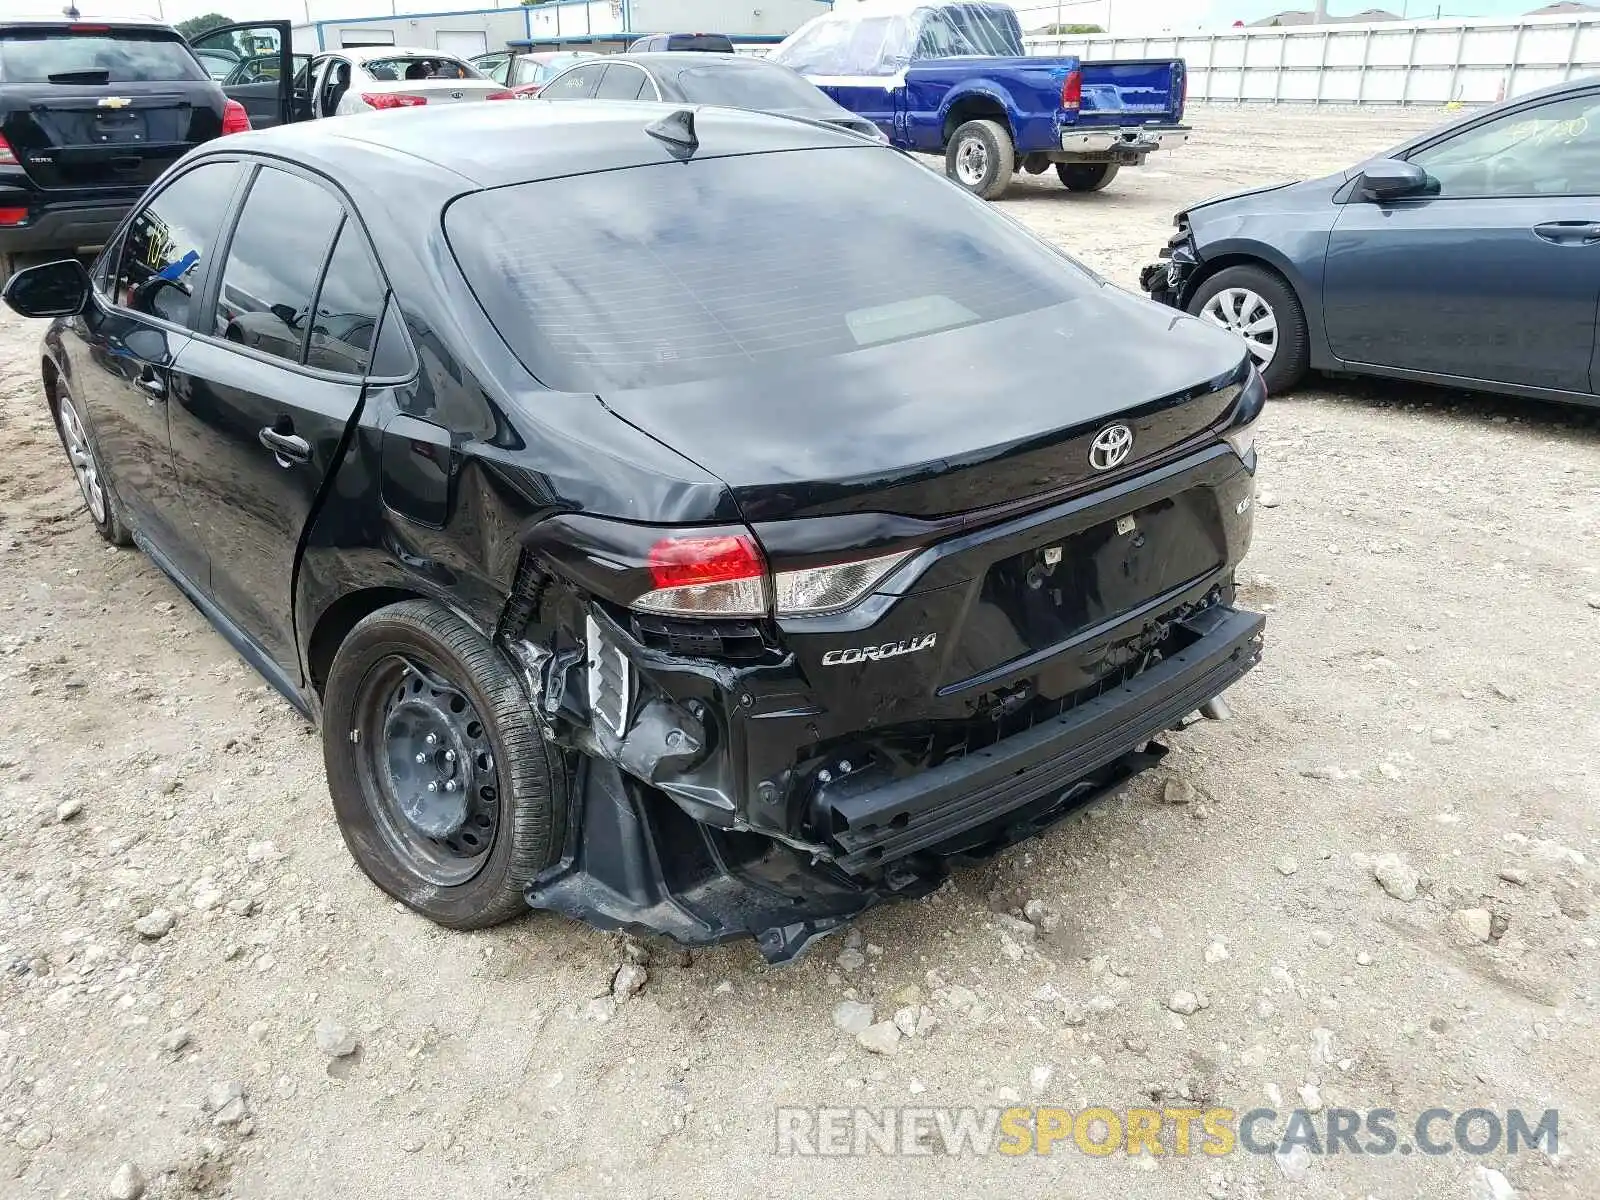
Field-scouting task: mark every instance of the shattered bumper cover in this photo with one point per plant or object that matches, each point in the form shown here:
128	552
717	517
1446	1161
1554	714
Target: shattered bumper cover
636	861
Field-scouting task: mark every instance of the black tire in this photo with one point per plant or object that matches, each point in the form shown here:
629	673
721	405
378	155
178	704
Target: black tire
981	158
1086	177
529	802
1291	353
101	493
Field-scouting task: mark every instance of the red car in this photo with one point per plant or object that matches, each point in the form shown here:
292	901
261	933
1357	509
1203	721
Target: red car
527	73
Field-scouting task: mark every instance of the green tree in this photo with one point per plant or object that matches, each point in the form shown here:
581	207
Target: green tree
1061	30
195	26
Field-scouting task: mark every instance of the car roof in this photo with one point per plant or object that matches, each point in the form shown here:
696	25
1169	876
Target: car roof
124	22
492	145
699	58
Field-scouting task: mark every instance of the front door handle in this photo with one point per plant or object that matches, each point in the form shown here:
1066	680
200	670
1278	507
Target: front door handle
289	448
1569	233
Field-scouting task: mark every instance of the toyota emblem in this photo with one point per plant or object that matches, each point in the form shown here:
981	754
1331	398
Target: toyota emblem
1111	445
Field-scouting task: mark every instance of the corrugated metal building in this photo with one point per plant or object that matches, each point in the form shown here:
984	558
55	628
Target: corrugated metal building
574	24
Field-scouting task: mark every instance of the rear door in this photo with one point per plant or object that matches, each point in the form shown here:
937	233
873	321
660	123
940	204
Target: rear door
89	106
262	395
262	80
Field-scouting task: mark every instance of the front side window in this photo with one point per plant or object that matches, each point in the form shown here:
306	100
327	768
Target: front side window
348	308
577	84
1552	150
273	263
675	272
167	242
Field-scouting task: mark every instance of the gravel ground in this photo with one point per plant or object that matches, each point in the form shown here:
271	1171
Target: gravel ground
1430	562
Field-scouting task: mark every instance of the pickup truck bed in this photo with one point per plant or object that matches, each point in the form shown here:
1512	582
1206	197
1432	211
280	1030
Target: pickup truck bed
990	114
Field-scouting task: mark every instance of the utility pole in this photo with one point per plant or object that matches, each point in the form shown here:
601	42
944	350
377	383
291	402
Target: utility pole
1320	16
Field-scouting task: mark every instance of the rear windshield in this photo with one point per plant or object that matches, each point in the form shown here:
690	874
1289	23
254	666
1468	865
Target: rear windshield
699	41
58	55
667	273
414	67
758	85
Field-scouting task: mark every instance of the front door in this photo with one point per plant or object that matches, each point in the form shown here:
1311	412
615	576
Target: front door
262	396
1494	275
262	77
134	332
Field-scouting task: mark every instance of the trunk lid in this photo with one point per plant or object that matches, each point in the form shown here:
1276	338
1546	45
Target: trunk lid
1148	90
966	420
438	91
85	106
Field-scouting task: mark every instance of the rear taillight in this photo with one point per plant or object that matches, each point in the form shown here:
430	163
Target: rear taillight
13	216
234	118
501	96
391	100
696	576
819	590
1072	91
7	157
1241	434
1183	98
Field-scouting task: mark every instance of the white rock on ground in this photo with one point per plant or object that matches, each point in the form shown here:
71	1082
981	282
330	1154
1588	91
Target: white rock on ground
851	1016
1396	876
628	981
334	1040
155	924
1489	1184
127	1183
882	1038
1185	1003
1472	924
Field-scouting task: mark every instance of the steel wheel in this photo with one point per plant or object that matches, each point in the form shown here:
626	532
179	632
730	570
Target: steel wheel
972	162
427	771
81	455
1243	312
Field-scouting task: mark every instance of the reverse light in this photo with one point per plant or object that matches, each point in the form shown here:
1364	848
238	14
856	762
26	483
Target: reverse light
391	100
818	590
13	216
8	157
697	576
234	118
1072	90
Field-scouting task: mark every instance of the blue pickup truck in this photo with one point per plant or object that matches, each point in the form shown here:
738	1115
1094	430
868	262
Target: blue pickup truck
952	77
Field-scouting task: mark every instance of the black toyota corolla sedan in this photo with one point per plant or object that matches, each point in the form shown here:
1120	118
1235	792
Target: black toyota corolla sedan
684	519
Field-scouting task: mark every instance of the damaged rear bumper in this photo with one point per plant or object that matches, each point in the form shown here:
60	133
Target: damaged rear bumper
635	860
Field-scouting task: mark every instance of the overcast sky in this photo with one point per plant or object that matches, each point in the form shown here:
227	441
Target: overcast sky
1125	15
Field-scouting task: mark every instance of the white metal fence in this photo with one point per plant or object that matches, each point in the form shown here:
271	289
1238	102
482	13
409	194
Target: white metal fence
1395	62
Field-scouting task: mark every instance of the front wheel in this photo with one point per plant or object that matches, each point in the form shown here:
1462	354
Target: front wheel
1261	307
981	158
105	511
1086	177
445	791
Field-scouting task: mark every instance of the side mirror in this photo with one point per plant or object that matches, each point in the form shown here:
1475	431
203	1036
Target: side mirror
1392	178
57	289
286	314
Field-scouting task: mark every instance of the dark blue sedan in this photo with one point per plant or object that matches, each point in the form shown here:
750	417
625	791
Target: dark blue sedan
1469	256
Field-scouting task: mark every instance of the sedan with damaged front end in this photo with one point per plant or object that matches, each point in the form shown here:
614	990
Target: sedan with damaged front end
716	525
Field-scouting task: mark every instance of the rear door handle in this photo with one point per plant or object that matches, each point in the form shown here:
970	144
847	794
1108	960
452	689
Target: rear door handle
290	448
152	383
1569	233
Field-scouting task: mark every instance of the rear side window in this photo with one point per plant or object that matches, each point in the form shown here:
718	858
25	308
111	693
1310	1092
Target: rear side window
95	54
166	244
740	84
273	263
577	84
348	308
665	273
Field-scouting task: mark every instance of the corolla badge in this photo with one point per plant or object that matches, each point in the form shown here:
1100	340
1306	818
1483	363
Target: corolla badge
856	654
1111	445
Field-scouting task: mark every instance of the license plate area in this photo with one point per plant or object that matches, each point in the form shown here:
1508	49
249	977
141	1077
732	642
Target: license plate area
118	129
1049	594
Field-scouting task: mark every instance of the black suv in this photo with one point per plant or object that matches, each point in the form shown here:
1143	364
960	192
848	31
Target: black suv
92	111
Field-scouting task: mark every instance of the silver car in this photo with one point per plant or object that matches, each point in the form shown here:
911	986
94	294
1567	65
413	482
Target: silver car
365	78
